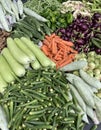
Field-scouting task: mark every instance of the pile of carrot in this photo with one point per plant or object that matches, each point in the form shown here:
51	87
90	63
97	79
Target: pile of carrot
58	50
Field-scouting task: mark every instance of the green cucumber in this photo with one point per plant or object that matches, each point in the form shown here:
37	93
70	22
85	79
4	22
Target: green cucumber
46	29
17	68
42	58
34	22
17	53
24	30
26	25
3	84
38	35
96	42
5	70
25	49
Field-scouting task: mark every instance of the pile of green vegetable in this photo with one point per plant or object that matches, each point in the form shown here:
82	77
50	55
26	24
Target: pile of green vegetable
93	67
14	11
57	19
34	95
19	55
93	5
42	5
32	28
51	10
41	100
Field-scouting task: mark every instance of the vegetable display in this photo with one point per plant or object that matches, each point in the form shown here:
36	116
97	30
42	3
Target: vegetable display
59	51
50	64
94	5
57	19
19	55
77	7
32	28
83	90
93	68
41	101
83	32
51	10
14	11
41	6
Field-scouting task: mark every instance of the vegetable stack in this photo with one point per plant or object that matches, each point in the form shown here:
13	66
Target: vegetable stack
41	101
59	51
19	55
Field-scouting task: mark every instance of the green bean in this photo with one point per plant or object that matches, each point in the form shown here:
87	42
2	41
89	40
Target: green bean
14	119
64	95
33	102
11	107
60	83
79	120
33	117
94	127
68	122
52	114
6	109
37	127
73	128
60	100
40	94
81	127
37	112
54	127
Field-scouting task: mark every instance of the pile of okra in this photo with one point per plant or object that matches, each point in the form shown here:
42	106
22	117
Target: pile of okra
41	101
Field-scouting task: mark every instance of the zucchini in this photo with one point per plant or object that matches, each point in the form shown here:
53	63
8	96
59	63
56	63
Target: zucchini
90	80
34	14
83	88
42	58
15	10
17	68
5	70
17	53
3	84
36	65
84	93
91	113
25	49
84	115
6	6
3	120
20	7
78	97
76	65
3	20
98	107
33	22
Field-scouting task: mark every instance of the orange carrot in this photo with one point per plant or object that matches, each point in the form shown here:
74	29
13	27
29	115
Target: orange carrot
54	47
45	49
58	50
46	42
64	63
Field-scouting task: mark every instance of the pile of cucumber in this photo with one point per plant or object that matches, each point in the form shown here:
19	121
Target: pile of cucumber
32	28
96	41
